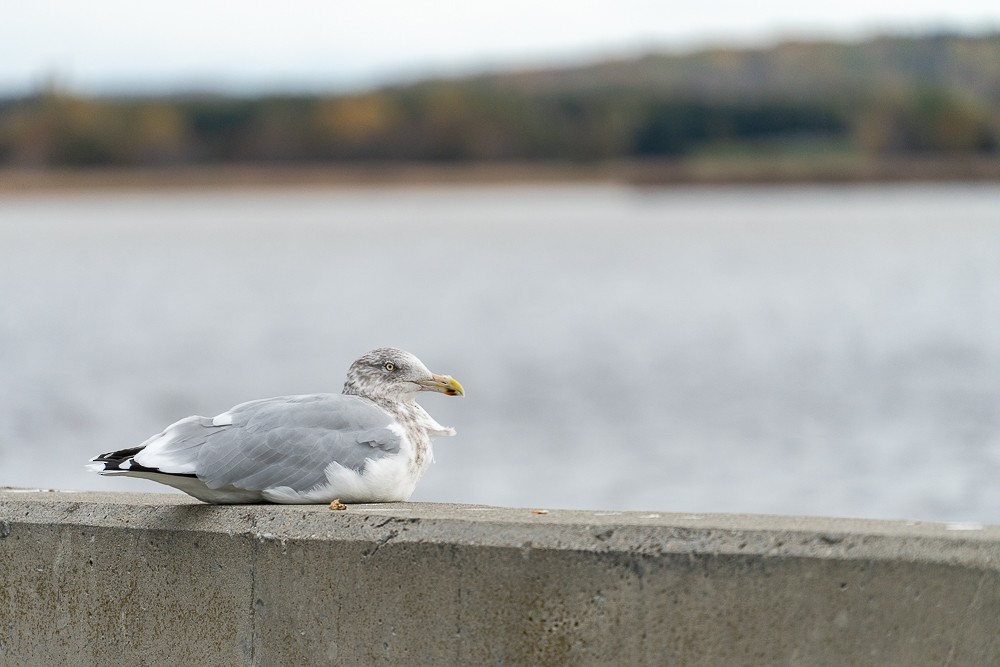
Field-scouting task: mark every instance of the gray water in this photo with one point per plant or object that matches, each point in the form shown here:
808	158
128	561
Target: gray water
809	350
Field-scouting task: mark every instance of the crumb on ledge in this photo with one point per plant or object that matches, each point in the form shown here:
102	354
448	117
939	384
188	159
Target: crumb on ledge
337	505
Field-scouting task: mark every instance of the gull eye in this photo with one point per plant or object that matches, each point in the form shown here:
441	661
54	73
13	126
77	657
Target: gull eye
389	366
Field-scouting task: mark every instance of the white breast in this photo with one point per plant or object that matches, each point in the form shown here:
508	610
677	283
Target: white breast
388	479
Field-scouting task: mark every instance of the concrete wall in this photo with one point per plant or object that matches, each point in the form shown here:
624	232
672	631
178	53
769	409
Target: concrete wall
129	579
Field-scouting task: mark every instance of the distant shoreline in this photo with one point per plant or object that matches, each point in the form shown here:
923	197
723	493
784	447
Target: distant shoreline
725	171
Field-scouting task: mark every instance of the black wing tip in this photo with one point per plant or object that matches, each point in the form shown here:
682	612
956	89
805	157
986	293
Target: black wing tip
113	462
117	457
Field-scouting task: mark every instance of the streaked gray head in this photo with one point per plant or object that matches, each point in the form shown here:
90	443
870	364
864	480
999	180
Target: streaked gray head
396	375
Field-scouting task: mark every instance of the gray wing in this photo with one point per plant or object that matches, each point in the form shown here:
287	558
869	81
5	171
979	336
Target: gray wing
289	441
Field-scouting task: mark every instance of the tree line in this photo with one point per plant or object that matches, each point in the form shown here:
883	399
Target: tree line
888	96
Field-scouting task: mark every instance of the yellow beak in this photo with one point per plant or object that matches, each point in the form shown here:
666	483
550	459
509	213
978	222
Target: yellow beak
444	384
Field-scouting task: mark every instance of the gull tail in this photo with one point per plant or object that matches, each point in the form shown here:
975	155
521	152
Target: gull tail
119	462
170	458
172	452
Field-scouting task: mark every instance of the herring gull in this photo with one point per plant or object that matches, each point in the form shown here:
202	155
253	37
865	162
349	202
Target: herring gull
370	443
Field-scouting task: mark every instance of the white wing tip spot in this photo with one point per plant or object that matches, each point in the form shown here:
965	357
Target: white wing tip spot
225	419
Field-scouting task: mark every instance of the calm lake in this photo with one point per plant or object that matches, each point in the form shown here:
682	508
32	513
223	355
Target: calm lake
793	350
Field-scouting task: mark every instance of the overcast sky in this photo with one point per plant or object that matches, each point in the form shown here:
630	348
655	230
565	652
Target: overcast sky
245	45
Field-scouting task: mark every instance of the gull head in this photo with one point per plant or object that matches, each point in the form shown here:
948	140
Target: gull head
396	375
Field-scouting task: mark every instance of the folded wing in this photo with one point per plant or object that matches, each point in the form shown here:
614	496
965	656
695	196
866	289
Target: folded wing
287	441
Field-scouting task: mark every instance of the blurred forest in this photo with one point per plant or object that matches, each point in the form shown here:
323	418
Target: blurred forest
932	95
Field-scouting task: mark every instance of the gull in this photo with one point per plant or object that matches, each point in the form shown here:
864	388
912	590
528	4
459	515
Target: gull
370	443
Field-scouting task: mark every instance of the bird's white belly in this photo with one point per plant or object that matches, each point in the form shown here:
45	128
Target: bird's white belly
389	479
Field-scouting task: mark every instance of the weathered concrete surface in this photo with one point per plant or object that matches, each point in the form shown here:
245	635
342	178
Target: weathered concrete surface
134	579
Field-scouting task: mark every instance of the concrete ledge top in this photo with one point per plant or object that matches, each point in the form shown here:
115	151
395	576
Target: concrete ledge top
638	533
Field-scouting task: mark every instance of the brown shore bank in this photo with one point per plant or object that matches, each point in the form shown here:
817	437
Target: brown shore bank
696	171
